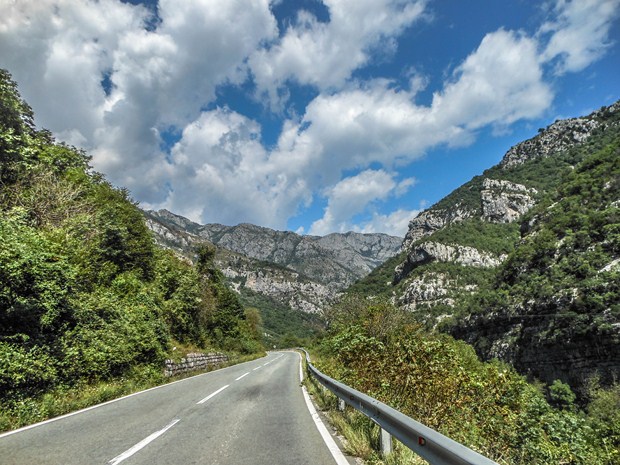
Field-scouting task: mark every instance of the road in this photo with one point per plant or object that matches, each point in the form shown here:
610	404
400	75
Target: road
252	413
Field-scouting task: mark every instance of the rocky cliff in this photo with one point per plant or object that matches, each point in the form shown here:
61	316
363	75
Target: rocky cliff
492	205
553	310
555	318
305	273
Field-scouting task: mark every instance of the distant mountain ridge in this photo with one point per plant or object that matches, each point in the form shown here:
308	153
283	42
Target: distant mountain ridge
337	259
305	273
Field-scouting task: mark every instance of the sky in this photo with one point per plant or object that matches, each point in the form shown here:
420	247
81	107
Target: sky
306	115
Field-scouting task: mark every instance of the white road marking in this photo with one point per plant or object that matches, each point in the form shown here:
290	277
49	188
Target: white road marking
77	412
245	374
212	395
129	452
327	438
257	368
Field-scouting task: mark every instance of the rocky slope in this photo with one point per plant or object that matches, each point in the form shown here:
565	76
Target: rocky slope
455	252
492	205
553	310
303	272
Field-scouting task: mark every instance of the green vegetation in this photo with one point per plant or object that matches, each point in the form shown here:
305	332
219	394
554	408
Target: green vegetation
558	292
378	282
560	284
284	327
467	196
86	298
439	381
497	239
563	275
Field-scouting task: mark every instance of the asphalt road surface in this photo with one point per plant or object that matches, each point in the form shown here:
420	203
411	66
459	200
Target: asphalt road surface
252	413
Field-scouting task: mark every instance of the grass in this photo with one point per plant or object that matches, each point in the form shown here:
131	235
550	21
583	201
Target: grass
67	399
360	435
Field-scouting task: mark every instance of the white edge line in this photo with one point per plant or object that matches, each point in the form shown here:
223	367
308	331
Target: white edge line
243	375
129	452
327	438
67	415
212	395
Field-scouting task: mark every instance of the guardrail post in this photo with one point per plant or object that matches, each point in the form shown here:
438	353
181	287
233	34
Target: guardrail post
432	446
341	405
385	440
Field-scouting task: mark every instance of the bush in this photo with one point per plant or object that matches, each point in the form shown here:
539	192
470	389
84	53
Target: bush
441	382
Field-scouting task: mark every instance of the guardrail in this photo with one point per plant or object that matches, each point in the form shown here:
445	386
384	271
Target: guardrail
432	446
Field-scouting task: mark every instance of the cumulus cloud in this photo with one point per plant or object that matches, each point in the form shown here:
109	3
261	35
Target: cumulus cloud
579	32
223	173
395	223
159	78
324	55
58	52
352	195
346	146
500	83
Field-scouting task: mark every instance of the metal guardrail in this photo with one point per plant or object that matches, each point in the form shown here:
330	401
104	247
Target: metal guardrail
432	446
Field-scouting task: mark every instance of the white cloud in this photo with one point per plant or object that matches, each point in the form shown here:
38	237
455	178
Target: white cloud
160	78
163	78
58	51
500	83
222	173
395	223
579	32
352	196
325	54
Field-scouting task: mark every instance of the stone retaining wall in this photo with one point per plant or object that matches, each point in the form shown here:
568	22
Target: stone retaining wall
194	361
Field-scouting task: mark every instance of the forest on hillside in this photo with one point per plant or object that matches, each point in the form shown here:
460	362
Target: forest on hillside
86	297
384	352
550	311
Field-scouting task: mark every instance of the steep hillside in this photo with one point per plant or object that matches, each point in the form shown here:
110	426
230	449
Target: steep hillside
453	251
86	296
336	260
281	273
553	309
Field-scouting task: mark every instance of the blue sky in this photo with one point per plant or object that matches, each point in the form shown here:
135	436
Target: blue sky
306	115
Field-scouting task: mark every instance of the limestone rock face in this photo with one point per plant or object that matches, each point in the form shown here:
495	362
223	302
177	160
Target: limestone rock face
528	344
303	272
336	258
469	256
429	221
429	289
429	251
499	200
504	201
558	137
282	285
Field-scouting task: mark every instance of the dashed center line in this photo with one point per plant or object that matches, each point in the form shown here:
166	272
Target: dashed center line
245	374
257	368
212	395
129	452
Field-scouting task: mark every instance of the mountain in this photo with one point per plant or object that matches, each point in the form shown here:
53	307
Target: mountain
522	261
336	260
290	271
